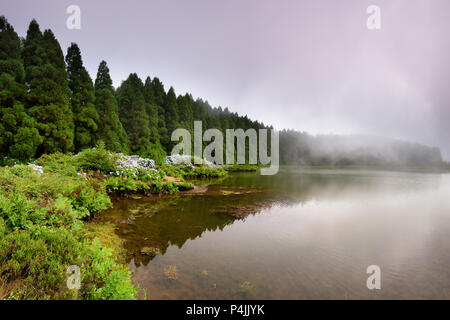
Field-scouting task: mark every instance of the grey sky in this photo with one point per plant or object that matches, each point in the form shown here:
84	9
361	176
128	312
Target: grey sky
308	65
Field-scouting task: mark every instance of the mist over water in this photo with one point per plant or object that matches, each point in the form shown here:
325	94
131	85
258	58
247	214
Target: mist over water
301	148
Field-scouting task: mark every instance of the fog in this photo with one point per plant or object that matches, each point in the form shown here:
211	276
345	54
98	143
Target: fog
307	65
305	149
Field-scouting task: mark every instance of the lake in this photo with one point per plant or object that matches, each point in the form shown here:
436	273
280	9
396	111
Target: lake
301	234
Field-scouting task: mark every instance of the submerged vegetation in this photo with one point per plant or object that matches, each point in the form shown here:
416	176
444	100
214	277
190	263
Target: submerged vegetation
43	209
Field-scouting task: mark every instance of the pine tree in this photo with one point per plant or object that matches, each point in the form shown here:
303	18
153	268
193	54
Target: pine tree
110	129
18	136
85	115
48	91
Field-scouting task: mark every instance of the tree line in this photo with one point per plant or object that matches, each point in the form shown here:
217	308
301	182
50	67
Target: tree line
49	103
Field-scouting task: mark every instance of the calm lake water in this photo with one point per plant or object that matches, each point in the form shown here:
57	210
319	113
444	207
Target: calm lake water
310	234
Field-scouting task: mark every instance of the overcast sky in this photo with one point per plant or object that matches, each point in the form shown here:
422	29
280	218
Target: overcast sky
307	65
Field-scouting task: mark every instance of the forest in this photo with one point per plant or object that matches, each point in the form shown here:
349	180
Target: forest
49	103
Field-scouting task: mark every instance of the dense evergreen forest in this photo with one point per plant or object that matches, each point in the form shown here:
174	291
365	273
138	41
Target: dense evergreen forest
49	103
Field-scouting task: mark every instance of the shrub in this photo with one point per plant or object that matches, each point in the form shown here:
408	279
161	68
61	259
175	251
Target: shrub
165	187
205	172
157	153
97	159
182	171
59	163
183	186
173	171
106	280
18	212
28	198
124	184
136	168
38	259
86	200
2	228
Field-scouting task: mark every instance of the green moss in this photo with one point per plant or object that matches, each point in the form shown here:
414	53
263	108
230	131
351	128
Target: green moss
108	238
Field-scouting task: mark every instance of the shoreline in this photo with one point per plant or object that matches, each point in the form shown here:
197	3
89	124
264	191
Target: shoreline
45	213
53	203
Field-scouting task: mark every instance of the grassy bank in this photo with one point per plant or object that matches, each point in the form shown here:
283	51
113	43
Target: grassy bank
43	211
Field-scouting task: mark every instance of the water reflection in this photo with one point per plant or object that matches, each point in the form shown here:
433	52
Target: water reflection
309	234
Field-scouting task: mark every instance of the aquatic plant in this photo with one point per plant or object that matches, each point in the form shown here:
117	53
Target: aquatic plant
171	272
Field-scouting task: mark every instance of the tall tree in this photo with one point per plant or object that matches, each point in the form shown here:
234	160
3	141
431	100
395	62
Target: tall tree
171	116
185	113
48	91
152	110
110	129
18	136
159	92
133	114
85	115
159	96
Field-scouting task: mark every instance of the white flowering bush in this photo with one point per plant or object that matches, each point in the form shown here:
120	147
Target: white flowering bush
185	160
36	168
136	167
83	175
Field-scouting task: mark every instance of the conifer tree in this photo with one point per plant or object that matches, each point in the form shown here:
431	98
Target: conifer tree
85	115
159	96
171	116
185	113
110	129
158	92
18	136
149	92
48	91
133	113
65	112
